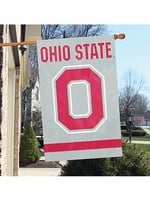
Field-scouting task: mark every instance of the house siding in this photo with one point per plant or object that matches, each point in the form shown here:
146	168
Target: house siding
1	85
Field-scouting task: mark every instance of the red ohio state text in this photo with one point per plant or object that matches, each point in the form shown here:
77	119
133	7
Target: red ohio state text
83	51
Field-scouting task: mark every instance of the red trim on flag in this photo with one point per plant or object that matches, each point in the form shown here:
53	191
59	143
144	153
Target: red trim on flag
84	145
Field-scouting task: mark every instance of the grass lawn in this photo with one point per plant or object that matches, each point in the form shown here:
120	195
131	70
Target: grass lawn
146	148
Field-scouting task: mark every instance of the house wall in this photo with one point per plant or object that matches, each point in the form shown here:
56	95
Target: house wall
1	94
4	105
13	79
8	107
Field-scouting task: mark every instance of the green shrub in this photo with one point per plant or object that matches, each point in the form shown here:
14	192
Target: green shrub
133	128
132	163
29	147
134	133
123	128
138	128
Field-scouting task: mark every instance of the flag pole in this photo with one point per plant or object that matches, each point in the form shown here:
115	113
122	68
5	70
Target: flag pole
17	43
116	36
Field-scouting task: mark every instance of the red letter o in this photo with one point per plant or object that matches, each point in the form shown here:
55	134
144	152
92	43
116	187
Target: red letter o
62	104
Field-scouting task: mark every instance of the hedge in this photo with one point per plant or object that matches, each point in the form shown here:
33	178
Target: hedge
134	133
133	128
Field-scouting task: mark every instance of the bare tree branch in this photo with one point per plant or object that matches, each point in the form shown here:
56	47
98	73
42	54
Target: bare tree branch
130	100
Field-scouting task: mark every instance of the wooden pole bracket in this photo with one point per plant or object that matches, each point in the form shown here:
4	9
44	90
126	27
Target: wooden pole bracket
119	36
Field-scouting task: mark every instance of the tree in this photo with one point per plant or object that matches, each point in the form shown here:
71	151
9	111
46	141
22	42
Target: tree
130	99
147	117
67	31
26	96
37	121
29	147
140	105
132	163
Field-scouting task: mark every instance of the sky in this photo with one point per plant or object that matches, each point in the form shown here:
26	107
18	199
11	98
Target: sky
133	53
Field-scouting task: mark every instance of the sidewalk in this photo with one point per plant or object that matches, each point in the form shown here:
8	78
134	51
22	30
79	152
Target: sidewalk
140	142
39	171
146	129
